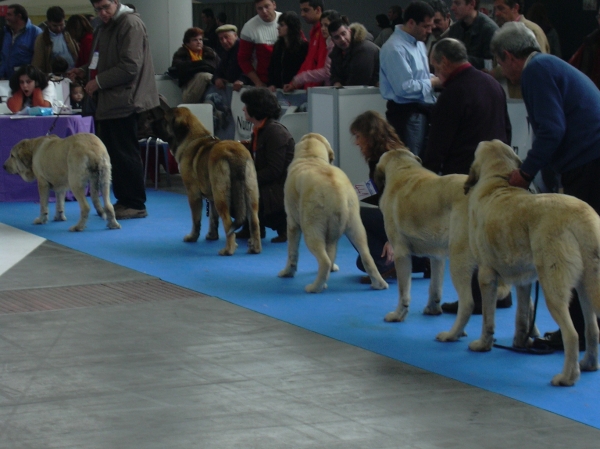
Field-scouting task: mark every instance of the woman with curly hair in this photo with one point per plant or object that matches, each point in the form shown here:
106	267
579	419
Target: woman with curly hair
194	65
272	148
289	51
30	87
375	136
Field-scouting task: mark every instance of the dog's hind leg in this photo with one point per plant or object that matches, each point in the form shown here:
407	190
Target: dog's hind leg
195	202
222	207
316	245
435	287
213	222
589	292
251	189
488	284
358	237
461	269
403	264
293	233
109	210
558	306
84	207
523	317
44	191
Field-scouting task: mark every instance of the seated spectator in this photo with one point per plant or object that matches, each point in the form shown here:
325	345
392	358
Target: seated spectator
194	65
272	148
54	42
289	51
228	70
30	87
354	60
210	29
80	29
538	13
587	57
386	29
257	39
319	75
19	40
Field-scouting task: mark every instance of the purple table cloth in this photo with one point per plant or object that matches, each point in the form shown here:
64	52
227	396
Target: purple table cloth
13	130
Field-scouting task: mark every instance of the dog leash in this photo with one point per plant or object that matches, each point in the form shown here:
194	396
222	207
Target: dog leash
530	350
57	116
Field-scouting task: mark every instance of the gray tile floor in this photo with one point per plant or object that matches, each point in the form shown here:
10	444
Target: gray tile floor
192	371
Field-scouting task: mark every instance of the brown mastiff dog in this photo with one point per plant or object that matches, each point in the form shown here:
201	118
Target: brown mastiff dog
222	171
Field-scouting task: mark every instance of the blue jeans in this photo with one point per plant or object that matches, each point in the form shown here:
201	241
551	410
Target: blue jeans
415	132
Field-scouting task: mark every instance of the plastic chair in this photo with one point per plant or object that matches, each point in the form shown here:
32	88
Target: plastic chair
296	123
204	113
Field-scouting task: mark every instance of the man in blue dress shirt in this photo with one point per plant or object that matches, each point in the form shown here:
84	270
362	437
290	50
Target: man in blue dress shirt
404	76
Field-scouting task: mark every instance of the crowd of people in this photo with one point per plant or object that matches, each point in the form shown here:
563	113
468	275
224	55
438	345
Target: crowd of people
445	73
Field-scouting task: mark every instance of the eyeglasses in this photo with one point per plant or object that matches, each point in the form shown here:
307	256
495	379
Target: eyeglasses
103	8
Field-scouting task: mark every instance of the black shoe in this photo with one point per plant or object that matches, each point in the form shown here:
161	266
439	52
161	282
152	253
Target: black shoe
281	238
554	341
452	307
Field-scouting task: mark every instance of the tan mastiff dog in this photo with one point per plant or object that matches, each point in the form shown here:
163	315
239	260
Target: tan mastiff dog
321	202
66	164
426	215
517	237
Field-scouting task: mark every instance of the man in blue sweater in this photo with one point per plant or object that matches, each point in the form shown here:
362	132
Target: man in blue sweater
563	106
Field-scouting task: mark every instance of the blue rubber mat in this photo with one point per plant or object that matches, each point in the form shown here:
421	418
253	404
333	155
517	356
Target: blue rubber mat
347	311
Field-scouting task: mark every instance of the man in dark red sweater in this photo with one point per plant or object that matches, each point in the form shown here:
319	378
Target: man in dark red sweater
471	108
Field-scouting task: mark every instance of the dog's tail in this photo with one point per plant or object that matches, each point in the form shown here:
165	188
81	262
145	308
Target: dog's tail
238	205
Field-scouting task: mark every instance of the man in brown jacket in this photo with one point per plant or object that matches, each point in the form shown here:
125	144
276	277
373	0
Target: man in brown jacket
122	80
54	42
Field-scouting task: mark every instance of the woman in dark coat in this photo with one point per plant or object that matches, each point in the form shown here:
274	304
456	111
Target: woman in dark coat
272	148
289	51
194	64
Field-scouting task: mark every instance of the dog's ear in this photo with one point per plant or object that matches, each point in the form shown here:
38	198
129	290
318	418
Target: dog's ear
24	153
472	178
379	175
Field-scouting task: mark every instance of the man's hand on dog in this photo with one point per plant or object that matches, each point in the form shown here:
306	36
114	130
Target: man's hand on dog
518	178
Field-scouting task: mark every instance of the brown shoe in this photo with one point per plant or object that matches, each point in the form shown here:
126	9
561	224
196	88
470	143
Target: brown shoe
127	213
386	275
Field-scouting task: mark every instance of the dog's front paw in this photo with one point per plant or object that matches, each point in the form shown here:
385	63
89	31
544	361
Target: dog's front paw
287	272
480	346
446	337
211	236
191	238
433	309
60	216
397	316
42	219
379	284
562	380
77	228
113	224
315	288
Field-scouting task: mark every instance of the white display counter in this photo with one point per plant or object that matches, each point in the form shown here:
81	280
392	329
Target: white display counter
330	113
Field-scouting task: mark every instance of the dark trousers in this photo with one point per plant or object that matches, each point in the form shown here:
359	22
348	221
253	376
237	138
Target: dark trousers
583	183
120	138
372	219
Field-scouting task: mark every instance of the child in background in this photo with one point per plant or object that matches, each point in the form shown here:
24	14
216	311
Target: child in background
80	102
30	87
